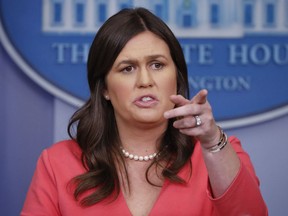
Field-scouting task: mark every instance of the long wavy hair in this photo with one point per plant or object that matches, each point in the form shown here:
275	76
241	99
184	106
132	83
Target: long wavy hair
96	130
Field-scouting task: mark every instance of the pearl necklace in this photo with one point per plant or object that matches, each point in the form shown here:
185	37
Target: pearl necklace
138	158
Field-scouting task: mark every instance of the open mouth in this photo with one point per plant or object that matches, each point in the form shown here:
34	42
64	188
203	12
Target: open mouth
146	101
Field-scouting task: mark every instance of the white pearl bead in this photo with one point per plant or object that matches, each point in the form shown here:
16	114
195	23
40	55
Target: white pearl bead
138	158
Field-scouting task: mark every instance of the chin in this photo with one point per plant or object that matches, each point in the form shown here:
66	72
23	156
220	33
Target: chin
152	119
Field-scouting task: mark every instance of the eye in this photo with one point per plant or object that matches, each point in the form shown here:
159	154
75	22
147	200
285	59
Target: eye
127	69
157	66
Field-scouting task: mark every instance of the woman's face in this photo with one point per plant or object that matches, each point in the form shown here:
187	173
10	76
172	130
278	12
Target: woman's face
141	80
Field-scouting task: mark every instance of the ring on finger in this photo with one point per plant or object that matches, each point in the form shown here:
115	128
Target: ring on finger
198	120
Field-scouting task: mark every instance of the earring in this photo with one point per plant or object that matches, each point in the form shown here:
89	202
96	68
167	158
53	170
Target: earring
106	97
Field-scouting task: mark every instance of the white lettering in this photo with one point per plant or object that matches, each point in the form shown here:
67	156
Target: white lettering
221	83
205	54
60	51
200	54
278	53
71	53
79	53
258	54
238	54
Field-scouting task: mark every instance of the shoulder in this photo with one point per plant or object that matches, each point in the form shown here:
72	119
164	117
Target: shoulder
63	152
63	160
64	147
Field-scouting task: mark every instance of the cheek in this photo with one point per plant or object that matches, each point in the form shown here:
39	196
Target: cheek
119	91
170	85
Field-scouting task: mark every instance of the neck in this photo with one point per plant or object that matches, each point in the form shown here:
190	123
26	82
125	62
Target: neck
141	140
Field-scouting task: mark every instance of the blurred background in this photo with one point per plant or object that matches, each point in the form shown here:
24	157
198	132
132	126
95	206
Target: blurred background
237	49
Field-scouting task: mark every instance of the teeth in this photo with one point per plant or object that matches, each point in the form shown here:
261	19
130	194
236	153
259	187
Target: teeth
146	99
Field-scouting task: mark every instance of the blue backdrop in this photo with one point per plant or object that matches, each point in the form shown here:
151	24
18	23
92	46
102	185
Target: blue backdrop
33	118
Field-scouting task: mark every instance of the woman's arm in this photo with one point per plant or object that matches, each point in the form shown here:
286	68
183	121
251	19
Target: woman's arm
222	168
225	167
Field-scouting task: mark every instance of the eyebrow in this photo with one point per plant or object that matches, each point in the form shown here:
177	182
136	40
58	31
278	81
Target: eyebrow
132	60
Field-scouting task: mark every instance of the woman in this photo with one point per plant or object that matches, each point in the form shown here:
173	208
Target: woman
141	147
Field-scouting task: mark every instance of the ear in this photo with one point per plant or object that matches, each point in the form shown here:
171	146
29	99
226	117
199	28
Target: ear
106	95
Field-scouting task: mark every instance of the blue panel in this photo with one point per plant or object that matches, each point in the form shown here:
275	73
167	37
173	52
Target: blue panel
159	10
102	12
80	12
248	14
187	21
58	10
270	14
214	17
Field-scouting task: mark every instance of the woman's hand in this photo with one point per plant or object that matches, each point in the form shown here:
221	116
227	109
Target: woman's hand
188	111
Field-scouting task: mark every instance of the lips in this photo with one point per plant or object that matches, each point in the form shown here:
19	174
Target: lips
146	101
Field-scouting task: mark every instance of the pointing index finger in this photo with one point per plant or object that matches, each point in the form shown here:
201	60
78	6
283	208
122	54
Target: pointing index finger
179	100
200	97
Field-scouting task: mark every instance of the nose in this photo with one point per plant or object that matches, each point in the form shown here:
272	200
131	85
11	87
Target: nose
144	79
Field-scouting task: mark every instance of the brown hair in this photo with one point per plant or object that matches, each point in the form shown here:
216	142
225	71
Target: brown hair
97	133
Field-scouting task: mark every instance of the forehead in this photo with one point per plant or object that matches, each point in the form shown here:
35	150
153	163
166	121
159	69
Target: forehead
145	43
